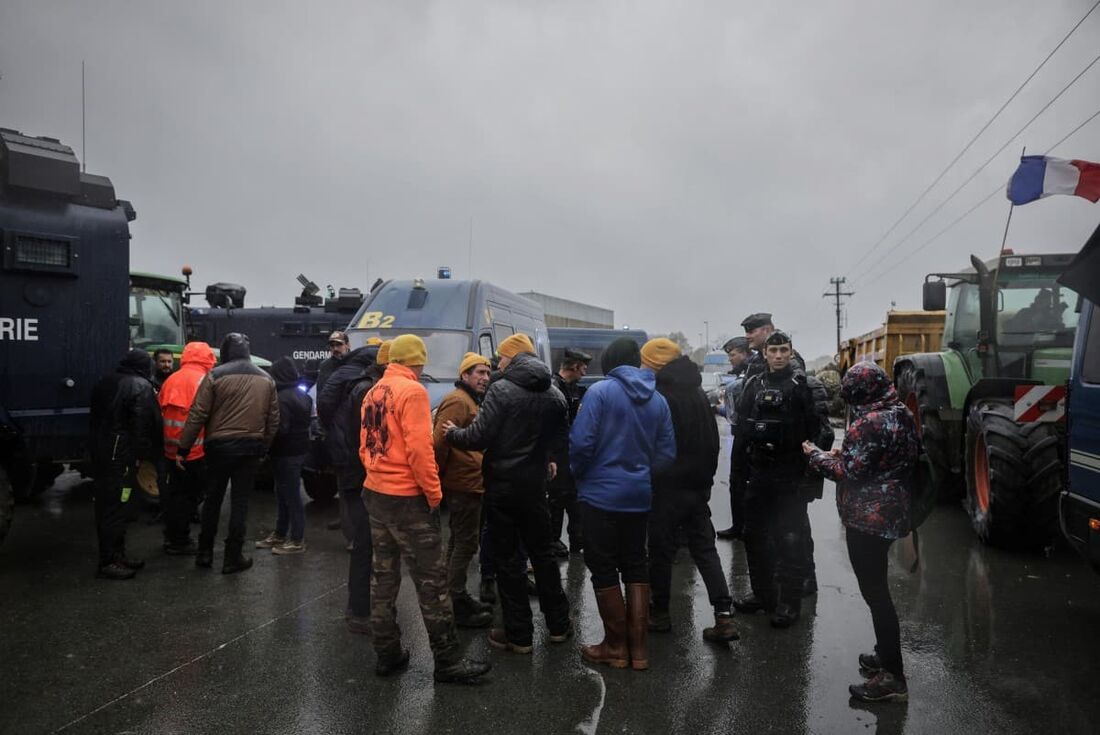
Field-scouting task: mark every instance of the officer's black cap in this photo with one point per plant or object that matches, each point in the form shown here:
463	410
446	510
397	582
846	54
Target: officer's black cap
755	321
737	343
572	354
778	338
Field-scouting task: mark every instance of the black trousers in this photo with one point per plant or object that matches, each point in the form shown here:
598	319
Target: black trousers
868	555
614	546
238	474
114	508
560	505
688	510
180	496
737	502
775	539
518	517
360	563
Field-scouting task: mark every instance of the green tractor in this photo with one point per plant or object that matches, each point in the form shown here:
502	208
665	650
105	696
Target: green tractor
1008	326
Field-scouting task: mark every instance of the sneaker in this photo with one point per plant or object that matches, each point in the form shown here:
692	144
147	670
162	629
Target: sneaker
869	664
753	604
358	625
391	664
115	570
723	630
463	671
135	564
190	548
488	591
270	541
563	636
882	687
499	639
660	621
289	547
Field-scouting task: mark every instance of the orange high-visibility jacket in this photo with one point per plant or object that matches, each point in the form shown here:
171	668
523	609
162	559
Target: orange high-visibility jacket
178	393
395	439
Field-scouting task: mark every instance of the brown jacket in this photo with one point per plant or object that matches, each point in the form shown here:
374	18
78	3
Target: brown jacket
238	406
459	469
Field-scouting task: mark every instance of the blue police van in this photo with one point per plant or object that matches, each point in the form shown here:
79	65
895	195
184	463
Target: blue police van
452	317
1079	507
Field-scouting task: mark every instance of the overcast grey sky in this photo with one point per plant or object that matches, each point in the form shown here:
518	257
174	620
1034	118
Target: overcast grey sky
676	161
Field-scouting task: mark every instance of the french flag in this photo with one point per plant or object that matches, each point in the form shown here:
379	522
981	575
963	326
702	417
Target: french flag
1041	176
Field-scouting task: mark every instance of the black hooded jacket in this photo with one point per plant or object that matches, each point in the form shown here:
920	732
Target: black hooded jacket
125	417
295	407
693	422
520	426
338	409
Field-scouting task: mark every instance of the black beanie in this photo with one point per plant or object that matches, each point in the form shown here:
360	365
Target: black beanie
623	351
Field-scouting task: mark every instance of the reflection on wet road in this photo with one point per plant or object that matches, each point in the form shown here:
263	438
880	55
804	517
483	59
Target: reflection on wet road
994	642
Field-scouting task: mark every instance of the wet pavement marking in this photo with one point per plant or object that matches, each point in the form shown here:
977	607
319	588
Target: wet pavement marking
200	657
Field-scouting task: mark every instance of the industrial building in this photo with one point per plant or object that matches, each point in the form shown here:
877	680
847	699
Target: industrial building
565	313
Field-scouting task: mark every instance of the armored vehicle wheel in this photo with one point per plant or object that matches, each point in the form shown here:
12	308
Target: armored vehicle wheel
319	486
913	392
7	504
1013	477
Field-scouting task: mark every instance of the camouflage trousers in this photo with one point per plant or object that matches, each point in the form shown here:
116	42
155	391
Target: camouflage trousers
404	527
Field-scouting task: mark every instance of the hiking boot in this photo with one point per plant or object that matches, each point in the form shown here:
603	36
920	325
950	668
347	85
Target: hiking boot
488	591
613	649
723	630
563	636
115	570
465	601
469	614
869	664
189	548
659	620
785	616
498	638
238	564
289	547
358	625
729	534
204	558
463	671
392	663
270	541
882	687
559	550
753	604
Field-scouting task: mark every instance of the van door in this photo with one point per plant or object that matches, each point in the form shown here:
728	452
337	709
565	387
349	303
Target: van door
485	346
1084	411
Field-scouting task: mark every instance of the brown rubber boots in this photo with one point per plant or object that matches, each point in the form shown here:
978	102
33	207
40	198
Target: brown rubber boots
613	650
637	625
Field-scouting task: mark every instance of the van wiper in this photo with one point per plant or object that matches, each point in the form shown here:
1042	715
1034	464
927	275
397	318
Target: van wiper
425	376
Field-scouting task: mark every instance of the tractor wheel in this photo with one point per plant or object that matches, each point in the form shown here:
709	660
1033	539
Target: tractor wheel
7	504
319	486
912	386
1013	477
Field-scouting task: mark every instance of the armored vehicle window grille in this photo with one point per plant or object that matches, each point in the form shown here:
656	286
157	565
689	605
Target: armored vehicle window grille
40	251
323	330
293	328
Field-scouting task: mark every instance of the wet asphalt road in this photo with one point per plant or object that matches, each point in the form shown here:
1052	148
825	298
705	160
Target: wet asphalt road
994	643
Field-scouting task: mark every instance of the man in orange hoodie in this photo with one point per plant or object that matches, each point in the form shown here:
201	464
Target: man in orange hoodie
183	488
403	496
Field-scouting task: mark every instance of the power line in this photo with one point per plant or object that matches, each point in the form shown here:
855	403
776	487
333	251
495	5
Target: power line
838	296
981	168
983	200
977	135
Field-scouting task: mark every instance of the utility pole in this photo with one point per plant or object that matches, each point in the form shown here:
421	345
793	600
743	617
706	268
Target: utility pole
706	342
837	295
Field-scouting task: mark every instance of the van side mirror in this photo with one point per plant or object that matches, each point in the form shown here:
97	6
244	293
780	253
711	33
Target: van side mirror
935	296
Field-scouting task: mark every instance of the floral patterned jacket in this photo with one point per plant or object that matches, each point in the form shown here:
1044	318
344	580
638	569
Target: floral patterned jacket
876	461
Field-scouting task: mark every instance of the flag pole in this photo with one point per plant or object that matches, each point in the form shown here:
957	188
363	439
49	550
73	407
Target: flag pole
1011	206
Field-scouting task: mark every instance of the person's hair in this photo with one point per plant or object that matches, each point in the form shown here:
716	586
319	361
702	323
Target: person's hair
162	351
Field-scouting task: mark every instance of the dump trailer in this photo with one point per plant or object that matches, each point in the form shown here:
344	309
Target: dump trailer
902	333
990	404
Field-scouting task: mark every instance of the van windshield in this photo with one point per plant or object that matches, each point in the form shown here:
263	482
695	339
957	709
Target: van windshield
445	349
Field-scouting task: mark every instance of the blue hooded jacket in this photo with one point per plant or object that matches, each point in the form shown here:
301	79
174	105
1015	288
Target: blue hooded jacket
622	433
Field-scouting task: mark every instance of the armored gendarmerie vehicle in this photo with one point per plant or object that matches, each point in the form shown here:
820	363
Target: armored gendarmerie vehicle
300	332
69	307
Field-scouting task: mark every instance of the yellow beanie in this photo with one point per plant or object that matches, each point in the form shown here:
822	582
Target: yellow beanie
471	360
383	357
372	341
408	349
514	345
656	353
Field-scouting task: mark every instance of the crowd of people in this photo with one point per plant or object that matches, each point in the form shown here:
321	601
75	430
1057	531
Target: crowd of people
514	452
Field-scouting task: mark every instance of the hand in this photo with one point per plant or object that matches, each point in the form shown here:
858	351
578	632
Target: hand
552	470
809	448
448	425
834	452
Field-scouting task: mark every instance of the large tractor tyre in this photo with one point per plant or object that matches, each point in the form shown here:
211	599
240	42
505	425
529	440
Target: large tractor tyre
44	476
1013	477
319	486
7	504
912	386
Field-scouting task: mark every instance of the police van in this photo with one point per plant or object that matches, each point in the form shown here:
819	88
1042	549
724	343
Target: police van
452	317
592	341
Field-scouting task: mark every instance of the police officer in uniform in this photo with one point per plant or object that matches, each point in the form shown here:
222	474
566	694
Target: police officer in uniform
563	490
757	329
776	413
739	352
